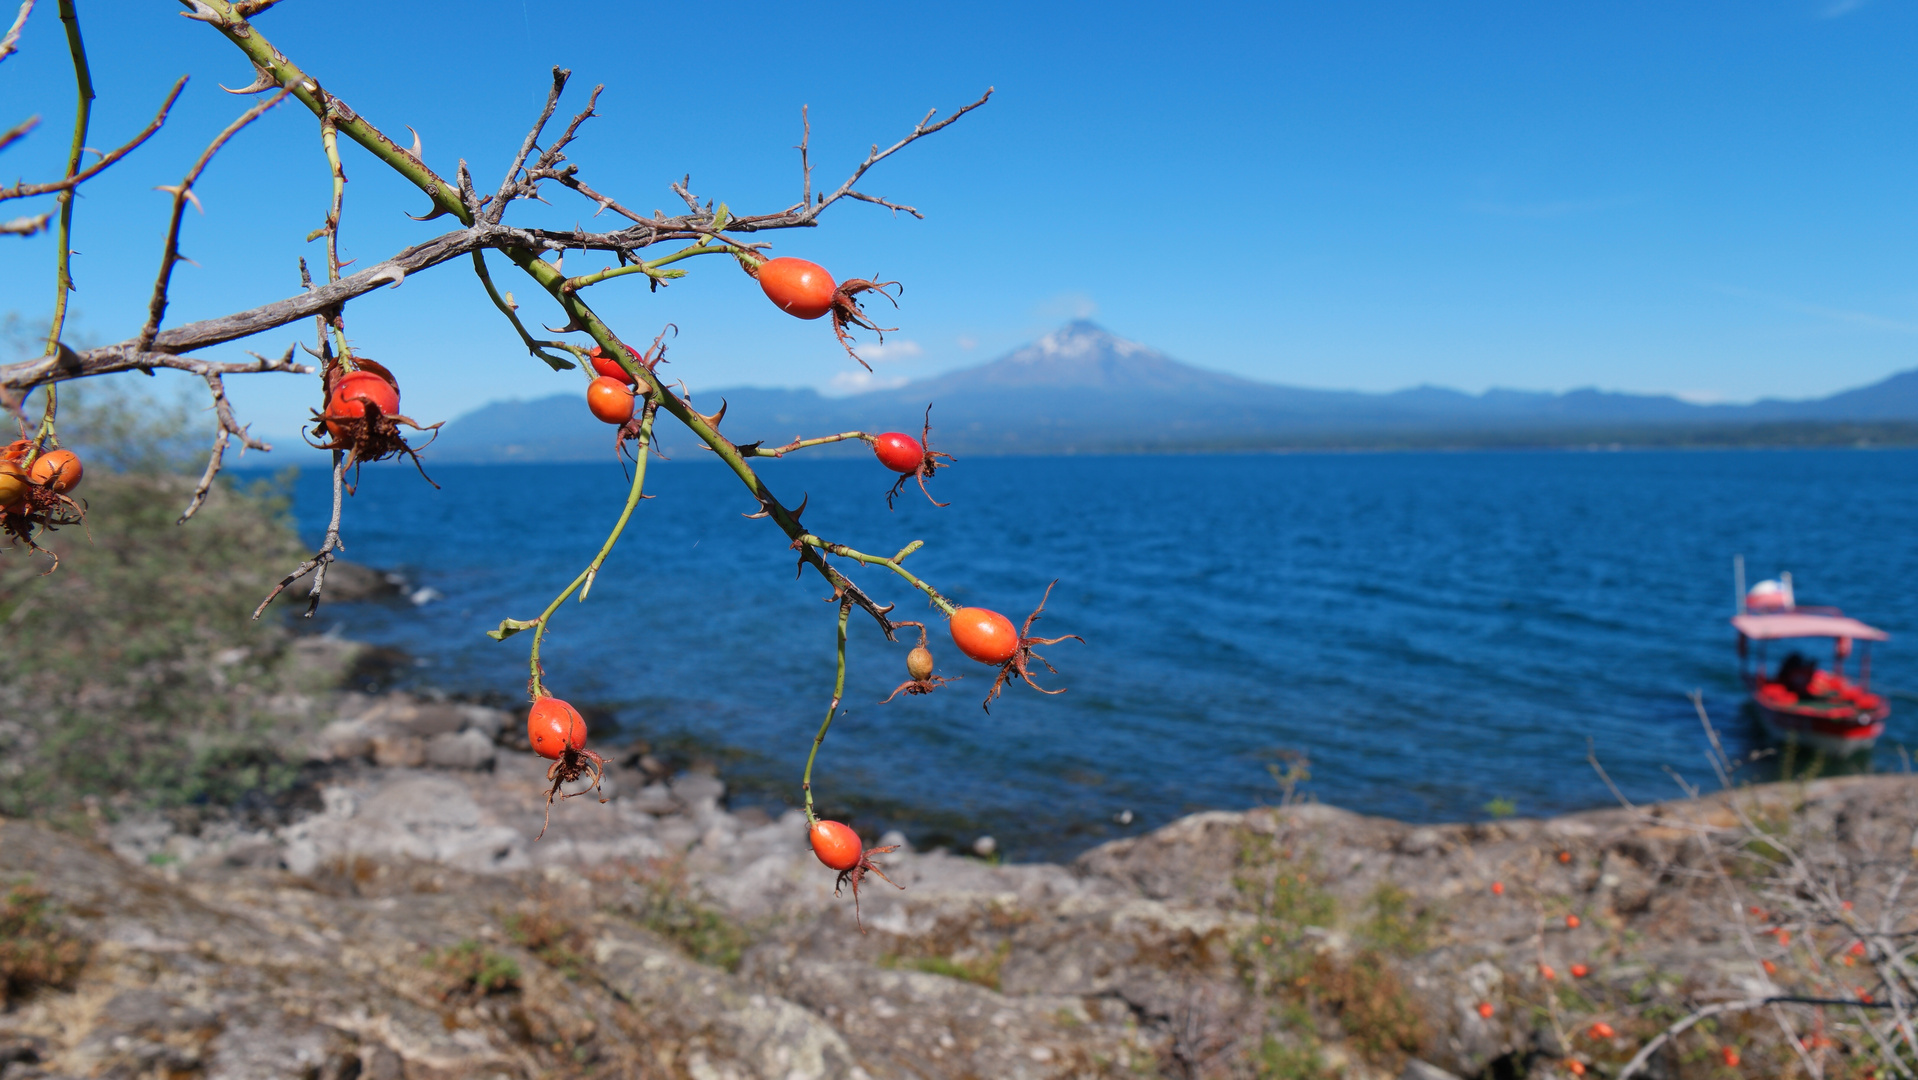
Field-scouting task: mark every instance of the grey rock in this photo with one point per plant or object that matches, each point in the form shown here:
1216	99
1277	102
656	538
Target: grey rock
1424	1070
772	1036
696	790
343	740
468	749
486	720
1134	960
654	799
399	751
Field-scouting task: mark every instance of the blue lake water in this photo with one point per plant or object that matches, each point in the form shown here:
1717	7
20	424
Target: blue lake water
1435	630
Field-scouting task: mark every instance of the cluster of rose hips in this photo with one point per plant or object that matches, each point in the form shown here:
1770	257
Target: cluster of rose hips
804	290
34	490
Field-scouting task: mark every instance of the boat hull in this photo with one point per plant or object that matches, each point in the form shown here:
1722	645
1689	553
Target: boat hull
1833	736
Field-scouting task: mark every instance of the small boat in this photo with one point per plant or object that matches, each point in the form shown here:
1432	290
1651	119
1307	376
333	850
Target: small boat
1798	701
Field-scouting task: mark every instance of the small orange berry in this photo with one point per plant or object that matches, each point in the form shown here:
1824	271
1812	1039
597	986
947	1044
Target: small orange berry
836	844
1575	1066
1757	912
1771	968
1579	971
1730	1054
1564	856
1783	935
1601	1030
1265	939
1485	1009
1498	888
1571	922
1846	904
1858	948
1545	971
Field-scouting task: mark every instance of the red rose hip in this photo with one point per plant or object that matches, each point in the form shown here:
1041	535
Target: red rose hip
836	845
986	636
554	727
899	452
610	400
801	289
608	366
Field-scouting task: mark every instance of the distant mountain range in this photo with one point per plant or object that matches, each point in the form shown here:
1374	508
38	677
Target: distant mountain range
1081	389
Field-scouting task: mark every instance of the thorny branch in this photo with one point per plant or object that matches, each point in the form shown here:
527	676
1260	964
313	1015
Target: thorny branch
26	226
25	190
510	187
18	131
11	42
328	547
703	227
182	193
223	417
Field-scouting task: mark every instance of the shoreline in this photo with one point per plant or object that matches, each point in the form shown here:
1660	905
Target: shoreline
662	926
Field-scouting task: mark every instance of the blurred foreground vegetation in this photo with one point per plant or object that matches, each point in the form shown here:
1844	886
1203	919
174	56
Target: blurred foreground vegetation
134	672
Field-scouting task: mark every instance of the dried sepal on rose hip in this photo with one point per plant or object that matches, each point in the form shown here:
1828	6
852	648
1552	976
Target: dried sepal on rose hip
909	457
988	637
362	415
558	732
840	848
919	666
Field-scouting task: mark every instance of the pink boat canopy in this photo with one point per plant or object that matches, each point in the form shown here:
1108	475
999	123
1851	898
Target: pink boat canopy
1791	624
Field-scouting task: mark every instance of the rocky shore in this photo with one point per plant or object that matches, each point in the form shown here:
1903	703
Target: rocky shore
398	918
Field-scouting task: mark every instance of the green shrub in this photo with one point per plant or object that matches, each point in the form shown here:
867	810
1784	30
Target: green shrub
470	969
135	671
34	950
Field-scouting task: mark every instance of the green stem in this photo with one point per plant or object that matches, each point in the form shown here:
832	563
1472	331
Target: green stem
574	284
586	576
288	74
533	345
652	269
892	564
583	316
63	265
330	139
838	692
801	444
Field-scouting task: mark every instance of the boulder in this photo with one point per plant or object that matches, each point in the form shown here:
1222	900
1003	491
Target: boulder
468	749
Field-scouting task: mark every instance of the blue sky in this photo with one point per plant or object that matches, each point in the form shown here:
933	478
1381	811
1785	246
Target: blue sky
1712	198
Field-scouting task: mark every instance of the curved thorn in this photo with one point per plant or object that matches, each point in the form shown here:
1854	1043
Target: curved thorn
261	81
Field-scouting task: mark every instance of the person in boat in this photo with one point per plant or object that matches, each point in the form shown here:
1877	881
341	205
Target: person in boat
1795	673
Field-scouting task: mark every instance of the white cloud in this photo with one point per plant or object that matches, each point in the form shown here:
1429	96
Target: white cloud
858	382
1701	397
886	351
1838	8
967	342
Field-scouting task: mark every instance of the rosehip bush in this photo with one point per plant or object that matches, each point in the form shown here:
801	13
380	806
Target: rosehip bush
557	264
